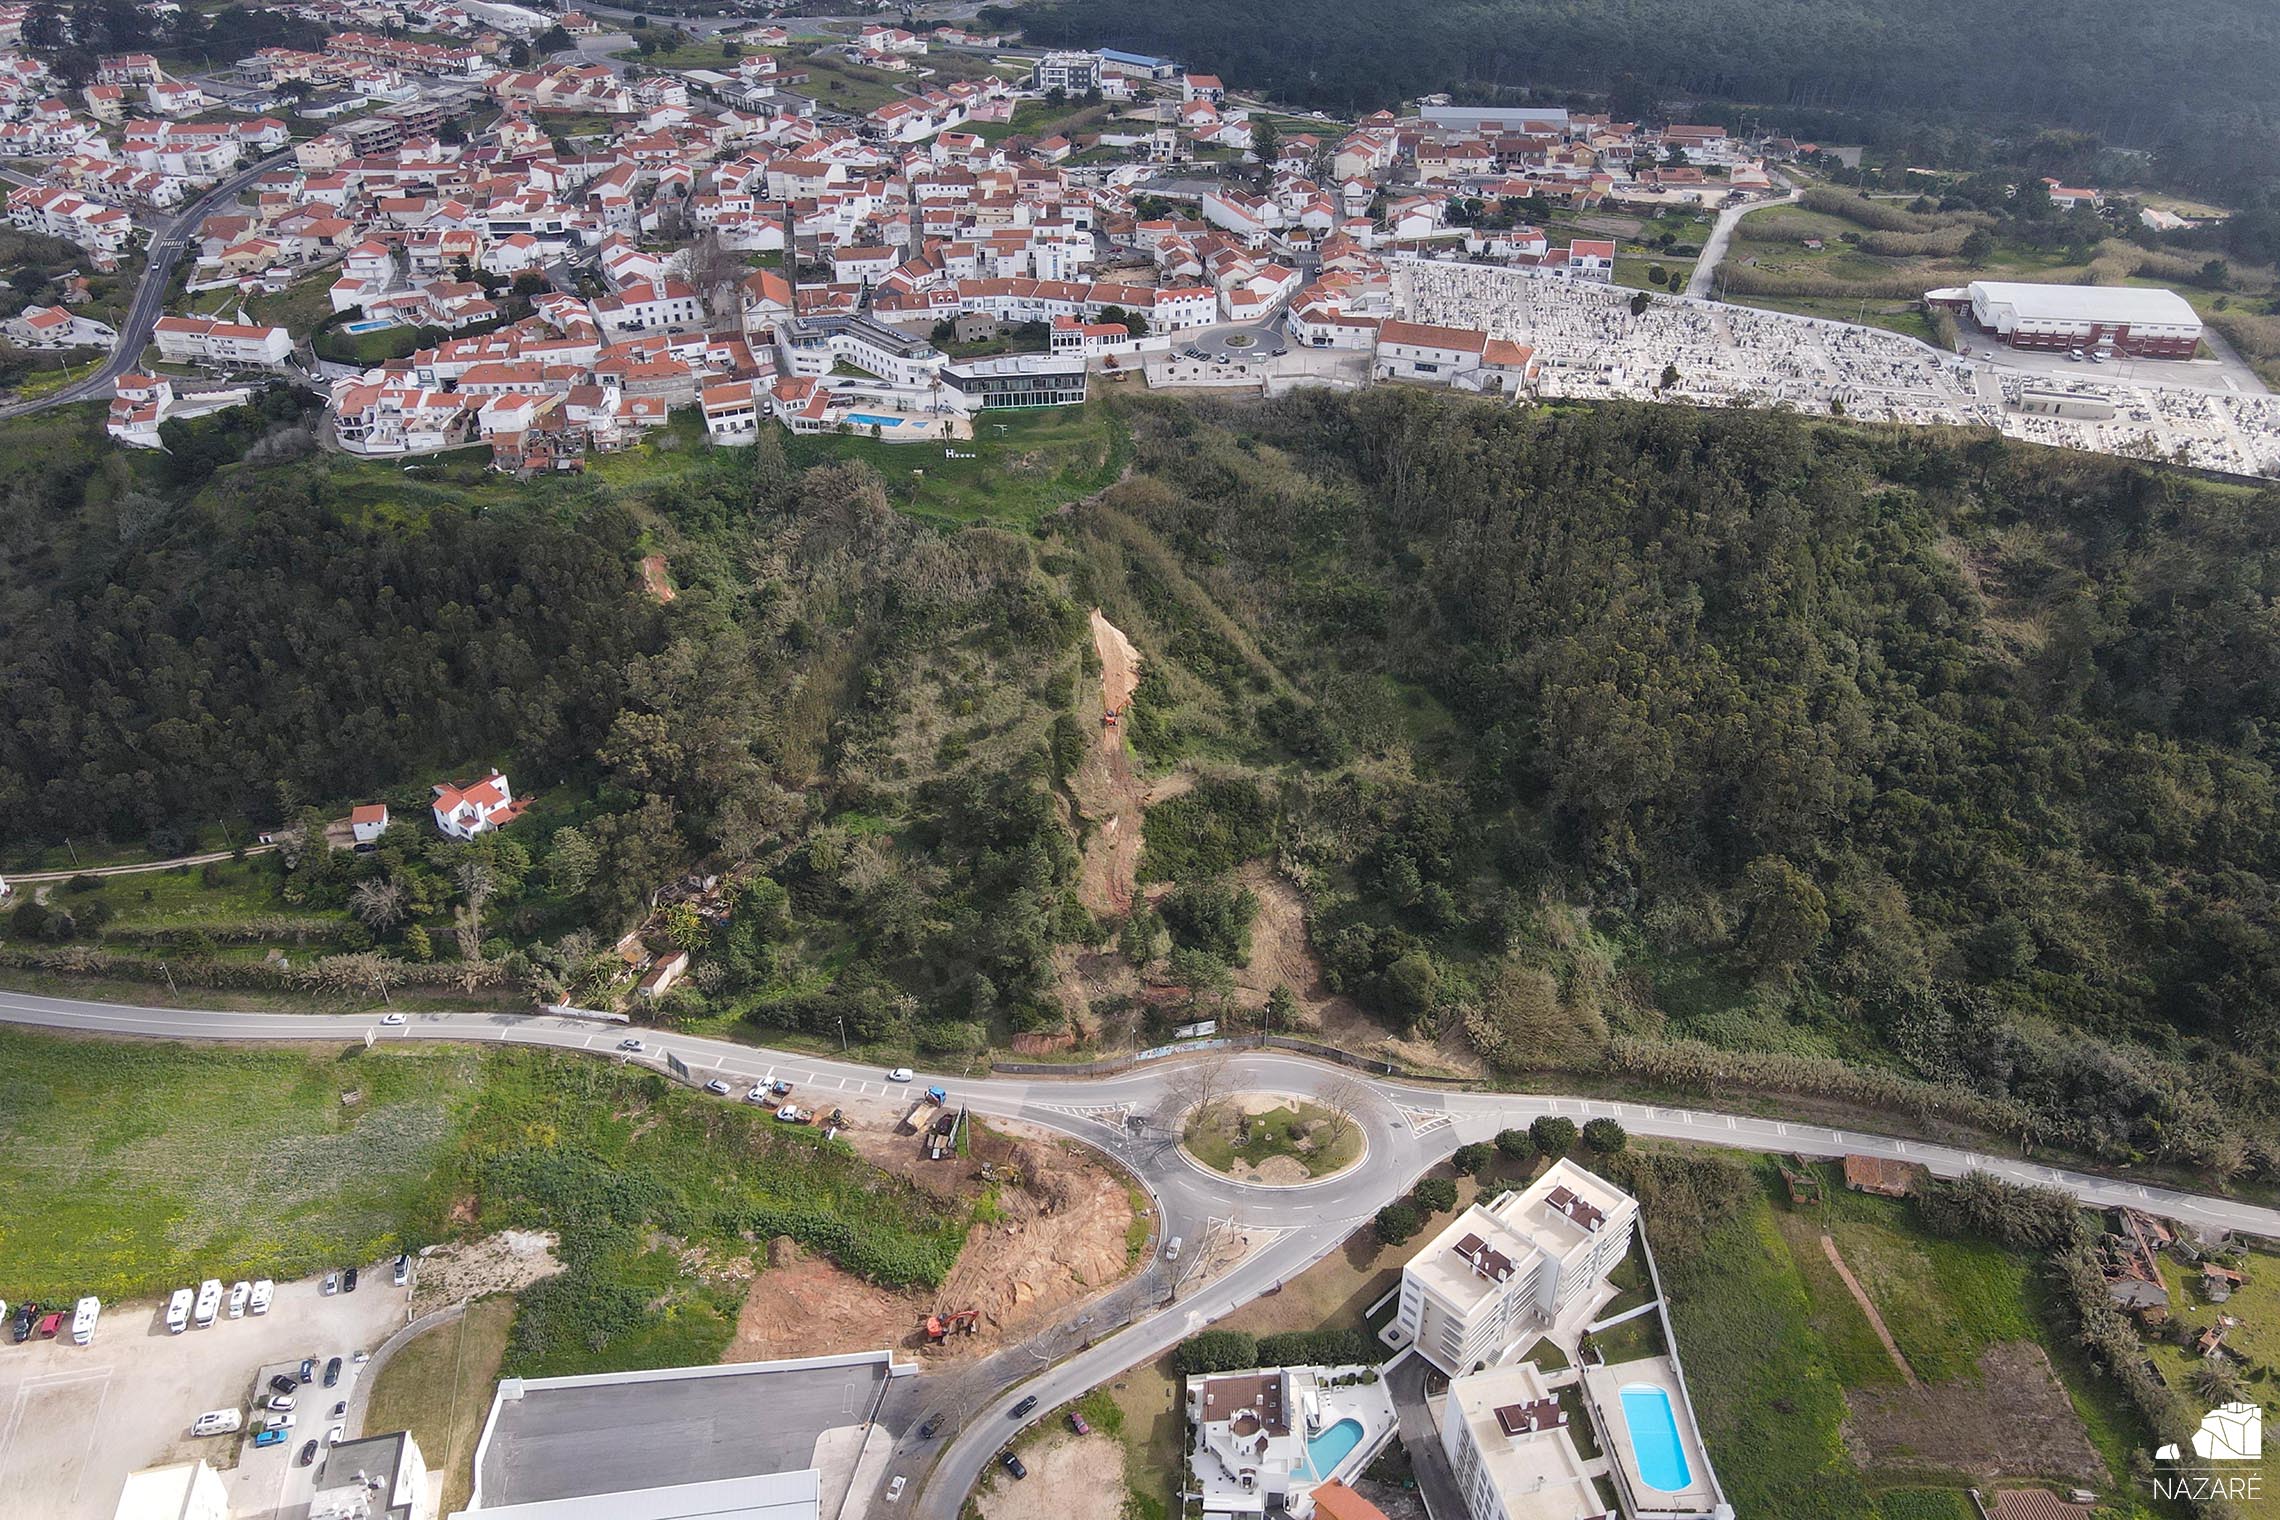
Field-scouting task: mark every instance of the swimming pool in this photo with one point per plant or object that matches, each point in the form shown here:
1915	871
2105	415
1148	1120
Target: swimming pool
374	324
1325	1451
868	420
1654	1439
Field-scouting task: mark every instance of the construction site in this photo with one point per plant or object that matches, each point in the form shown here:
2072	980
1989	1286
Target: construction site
1053	1224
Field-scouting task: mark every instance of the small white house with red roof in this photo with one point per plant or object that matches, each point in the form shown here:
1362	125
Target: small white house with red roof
367	821
464	811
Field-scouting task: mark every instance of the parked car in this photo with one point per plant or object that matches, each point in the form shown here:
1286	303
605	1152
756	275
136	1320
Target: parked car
403	1273
332	1284
308	1452
308	1369
348	1281
334	1436
759	1094
269	1438
927	1430
280	1419
1011	1462
27	1314
717	1088
50	1323
1023	1407
899	1074
1077	1424
340	1410
894	1489
332	1372
280	1402
282	1384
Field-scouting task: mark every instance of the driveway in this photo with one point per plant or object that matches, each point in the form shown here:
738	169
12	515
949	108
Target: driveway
1436	1480
1714	248
75	1420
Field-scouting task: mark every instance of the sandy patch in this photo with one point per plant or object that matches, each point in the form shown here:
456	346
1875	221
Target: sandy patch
1071	1477
507	1262
1275	1171
653	577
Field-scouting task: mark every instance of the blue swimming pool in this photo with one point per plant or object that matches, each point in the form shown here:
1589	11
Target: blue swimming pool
375	324
1325	1451
1654	1438
868	420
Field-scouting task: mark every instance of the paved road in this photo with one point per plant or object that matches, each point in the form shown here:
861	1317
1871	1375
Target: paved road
1408	1128
1722	233
166	250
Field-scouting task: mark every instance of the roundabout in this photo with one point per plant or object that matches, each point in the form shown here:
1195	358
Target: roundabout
1276	1140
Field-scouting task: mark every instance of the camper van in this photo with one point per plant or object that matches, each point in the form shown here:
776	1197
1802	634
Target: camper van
83	1320
263	1291
209	1302
239	1293
217	1422
178	1312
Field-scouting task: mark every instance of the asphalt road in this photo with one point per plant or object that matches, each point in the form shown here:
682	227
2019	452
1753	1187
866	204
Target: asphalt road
1721	233
166	250
1408	1126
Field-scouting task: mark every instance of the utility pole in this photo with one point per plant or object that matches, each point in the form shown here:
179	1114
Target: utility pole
171	990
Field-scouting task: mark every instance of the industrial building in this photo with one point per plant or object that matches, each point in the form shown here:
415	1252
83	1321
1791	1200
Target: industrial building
2143	324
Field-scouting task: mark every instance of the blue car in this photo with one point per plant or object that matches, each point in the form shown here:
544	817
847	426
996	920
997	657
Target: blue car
274	1437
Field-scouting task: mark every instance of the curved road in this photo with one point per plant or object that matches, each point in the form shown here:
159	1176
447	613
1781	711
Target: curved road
1721	233
1409	1128
149	304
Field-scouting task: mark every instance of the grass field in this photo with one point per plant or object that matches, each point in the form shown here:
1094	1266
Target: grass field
842	86
438	1387
133	1168
1026	463
1774	1343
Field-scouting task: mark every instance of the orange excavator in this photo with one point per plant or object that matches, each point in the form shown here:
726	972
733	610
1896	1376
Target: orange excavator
940	1327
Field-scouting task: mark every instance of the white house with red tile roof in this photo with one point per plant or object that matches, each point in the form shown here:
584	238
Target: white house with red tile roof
1202	87
464	811
367	821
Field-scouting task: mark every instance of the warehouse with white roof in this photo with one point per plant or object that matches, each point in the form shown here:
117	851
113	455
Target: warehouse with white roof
2145	324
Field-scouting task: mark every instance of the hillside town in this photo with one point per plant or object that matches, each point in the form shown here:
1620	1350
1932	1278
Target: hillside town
550	255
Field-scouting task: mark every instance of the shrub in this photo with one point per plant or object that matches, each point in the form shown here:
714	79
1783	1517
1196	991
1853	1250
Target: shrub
1554	1136
1398	1222
1515	1144
1471	1160
1605	1136
1215	1351
1434	1195
1319	1348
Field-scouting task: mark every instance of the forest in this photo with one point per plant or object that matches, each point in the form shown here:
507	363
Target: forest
1693	749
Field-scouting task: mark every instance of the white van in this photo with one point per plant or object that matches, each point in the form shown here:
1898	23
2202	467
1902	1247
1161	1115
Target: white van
217	1422
83	1319
239	1293
263	1291
209	1302
178	1312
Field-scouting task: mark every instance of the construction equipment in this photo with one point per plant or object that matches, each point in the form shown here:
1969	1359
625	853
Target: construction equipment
937	1096
940	1327
1108	719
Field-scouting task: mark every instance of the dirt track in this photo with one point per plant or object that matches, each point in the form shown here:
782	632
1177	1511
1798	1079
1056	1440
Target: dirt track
1107	790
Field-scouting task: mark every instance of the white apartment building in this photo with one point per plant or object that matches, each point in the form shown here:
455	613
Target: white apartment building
1072	73
229	345
1502	1274
1507	1440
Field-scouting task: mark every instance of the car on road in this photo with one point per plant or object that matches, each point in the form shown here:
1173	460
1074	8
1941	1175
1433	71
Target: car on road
393	1018
894	1489
332	1284
1011	1462
403	1272
927	1430
1077	1424
1172	1248
282	1384
308	1452
630	1043
1023	1407
899	1074
332	1372
717	1088
348	1281
1278	353
308	1369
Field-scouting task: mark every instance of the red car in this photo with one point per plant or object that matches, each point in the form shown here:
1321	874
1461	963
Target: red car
1077	1424
49	1326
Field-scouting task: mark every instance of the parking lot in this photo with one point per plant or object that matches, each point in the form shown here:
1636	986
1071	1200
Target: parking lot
75	1420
